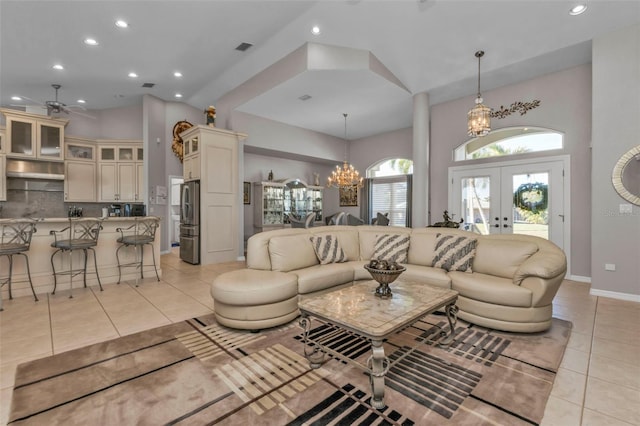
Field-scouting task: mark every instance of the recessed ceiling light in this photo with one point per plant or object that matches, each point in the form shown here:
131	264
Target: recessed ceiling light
81	101
58	67
577	9
121	24
133	75
177	74
178	95
16	98
315	30
91	41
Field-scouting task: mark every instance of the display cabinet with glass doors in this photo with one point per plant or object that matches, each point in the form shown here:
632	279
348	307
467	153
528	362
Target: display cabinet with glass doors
269	205
301	199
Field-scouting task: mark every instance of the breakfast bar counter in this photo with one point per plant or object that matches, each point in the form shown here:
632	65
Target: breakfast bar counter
40	259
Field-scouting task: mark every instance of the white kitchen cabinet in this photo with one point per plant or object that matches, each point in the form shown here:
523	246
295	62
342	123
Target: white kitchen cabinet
79	181
120	172
191	158
3	177
139	196
34	136
3	169
118	182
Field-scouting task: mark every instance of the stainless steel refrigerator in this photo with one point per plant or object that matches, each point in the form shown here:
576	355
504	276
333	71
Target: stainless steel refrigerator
190	222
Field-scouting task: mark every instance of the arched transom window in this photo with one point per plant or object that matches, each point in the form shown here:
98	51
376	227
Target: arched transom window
510	141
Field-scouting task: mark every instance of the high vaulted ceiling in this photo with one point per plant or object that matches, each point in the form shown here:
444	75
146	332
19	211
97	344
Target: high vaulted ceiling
427	45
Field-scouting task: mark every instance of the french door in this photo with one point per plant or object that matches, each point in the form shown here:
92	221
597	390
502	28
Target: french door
513	198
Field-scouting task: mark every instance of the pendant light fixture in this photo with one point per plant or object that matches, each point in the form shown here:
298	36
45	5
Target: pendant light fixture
347	176
479	117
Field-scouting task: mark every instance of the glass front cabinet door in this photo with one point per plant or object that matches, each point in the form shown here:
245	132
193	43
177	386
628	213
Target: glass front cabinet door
49	138
34	137
80	152
269	206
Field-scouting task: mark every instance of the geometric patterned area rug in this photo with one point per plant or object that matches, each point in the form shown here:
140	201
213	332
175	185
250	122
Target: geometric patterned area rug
197	372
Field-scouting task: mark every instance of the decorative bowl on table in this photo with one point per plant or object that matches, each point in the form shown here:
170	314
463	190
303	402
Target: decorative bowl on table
384	273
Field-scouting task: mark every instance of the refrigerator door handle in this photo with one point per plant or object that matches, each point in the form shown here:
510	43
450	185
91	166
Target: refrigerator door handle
185	205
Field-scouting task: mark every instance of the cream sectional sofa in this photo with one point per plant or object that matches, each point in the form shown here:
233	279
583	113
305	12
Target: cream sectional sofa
513	281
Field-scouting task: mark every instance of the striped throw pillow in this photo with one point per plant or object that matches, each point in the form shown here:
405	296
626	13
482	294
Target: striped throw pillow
392	248
328	249
454	252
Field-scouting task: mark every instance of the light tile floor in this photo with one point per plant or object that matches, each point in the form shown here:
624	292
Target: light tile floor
598	382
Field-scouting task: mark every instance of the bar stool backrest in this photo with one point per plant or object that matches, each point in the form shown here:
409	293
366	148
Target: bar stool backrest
16	233
84	231
147	227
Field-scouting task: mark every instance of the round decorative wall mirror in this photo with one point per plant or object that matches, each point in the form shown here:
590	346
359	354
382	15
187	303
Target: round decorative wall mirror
626	176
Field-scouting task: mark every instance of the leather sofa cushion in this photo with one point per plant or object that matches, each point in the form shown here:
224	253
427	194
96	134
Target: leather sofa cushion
320	277
359	273
433	276
501	257
422	248
251	287
490	289
256	312
291	252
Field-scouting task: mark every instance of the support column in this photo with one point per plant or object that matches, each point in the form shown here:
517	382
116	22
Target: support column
420	193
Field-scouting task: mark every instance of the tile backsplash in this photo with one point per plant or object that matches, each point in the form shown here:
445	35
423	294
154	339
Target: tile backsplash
41	199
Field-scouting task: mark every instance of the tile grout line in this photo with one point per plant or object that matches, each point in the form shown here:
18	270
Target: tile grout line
106	313
586	381
50	322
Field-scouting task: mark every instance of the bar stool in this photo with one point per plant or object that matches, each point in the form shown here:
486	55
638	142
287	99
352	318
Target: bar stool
81	234
16	239
141	233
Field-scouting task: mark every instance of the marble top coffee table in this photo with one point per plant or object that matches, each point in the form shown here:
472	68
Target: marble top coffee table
357	310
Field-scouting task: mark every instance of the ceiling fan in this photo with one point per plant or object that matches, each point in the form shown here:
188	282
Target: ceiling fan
57	106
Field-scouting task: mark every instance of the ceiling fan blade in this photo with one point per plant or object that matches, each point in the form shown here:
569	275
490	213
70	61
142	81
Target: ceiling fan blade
76	106
80	114
32	100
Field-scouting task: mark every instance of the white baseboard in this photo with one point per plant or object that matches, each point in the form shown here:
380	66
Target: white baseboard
615	295
241	259
579	278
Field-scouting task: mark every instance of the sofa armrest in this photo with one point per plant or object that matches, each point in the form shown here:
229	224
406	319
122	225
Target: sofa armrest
547	264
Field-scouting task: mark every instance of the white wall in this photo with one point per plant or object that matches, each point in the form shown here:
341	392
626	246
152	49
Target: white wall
289	140
365	152
616	126
565	98
112	123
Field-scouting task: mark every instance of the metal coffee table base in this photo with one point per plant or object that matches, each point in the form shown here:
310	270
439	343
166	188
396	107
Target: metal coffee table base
377	364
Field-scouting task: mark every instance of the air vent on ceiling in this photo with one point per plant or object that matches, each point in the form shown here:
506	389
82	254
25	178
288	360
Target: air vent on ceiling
305	97
243	46
149	85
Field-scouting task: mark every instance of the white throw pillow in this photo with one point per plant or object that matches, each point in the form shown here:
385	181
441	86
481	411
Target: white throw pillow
391	247
328	249
454	252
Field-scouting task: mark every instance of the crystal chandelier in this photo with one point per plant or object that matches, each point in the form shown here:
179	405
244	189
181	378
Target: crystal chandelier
479	117
347	176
